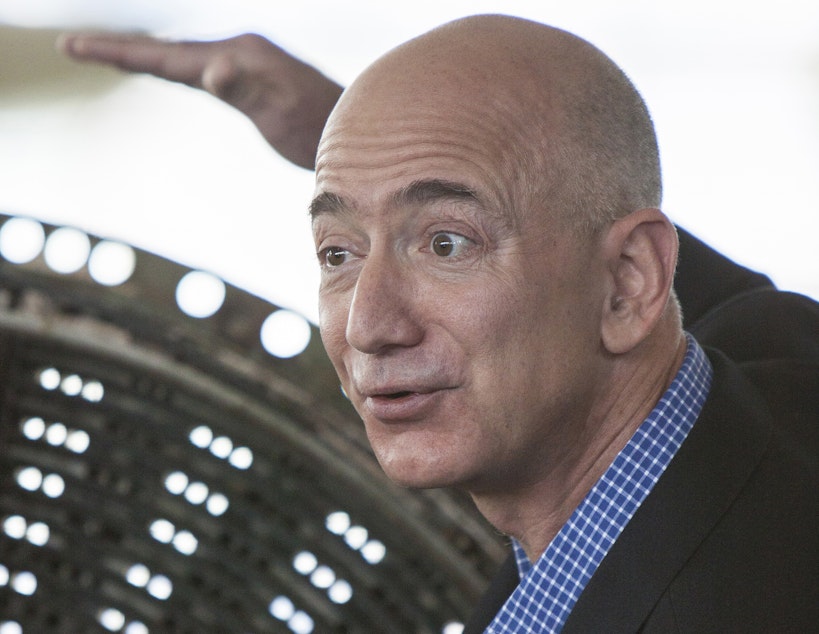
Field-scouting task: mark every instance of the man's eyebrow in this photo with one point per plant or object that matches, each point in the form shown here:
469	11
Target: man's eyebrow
326	202
426	191
416	193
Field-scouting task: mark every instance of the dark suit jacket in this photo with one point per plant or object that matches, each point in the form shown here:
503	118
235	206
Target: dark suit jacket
728	540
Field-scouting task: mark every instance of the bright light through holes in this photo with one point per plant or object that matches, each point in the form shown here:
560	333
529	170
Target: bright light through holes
53	485
221	447
241	458
10	627
217	504
38	533
76	441
50	379
176	483
305	562
340	592
32	479
21	240
56	434
158	586
338	522
285	334
111	619
200	294
71	385
24	583
17	527
138	575
196	493
322	577
282	609
111	263
300	623
33	428
201	437
162	531
165	532
185	542
93	391
356	537
66	250
373	552
114	621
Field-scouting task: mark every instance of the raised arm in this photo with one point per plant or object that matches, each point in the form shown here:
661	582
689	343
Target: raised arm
286	99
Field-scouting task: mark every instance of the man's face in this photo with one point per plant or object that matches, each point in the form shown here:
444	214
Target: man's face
462	322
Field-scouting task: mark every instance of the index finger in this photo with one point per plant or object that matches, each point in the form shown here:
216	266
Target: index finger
175	61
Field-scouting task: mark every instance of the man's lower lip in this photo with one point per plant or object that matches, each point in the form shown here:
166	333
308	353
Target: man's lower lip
403	408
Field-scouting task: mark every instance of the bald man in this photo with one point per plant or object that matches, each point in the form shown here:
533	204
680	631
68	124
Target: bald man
497	300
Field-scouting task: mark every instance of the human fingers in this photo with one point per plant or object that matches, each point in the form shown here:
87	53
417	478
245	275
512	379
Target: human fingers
176	61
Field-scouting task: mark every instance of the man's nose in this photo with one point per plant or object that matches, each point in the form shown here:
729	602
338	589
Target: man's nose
383	312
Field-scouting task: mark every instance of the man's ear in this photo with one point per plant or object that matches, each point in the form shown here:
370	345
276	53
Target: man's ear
641	255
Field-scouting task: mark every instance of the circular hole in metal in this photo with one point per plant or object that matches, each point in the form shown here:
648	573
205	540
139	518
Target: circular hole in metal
66	250
200	294
111	263
285	334
21	240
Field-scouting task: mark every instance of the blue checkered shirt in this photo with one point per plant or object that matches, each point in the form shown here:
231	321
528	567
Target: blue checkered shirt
550	588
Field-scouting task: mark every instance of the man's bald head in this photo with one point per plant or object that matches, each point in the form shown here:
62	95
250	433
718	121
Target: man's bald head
566	128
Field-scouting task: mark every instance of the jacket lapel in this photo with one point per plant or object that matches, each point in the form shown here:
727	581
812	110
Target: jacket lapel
503	584
703	479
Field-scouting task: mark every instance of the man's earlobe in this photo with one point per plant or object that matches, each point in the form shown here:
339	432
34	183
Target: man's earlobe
641	254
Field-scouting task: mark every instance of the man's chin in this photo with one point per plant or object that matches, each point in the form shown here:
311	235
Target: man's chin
419	456
427	476
419	476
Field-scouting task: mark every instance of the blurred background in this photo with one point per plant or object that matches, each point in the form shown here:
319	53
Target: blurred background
218	468
733	87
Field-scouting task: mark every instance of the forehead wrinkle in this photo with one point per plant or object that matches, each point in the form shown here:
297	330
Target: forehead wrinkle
375	132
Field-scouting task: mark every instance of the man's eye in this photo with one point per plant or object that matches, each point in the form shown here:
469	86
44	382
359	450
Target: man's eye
334	256
448	244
